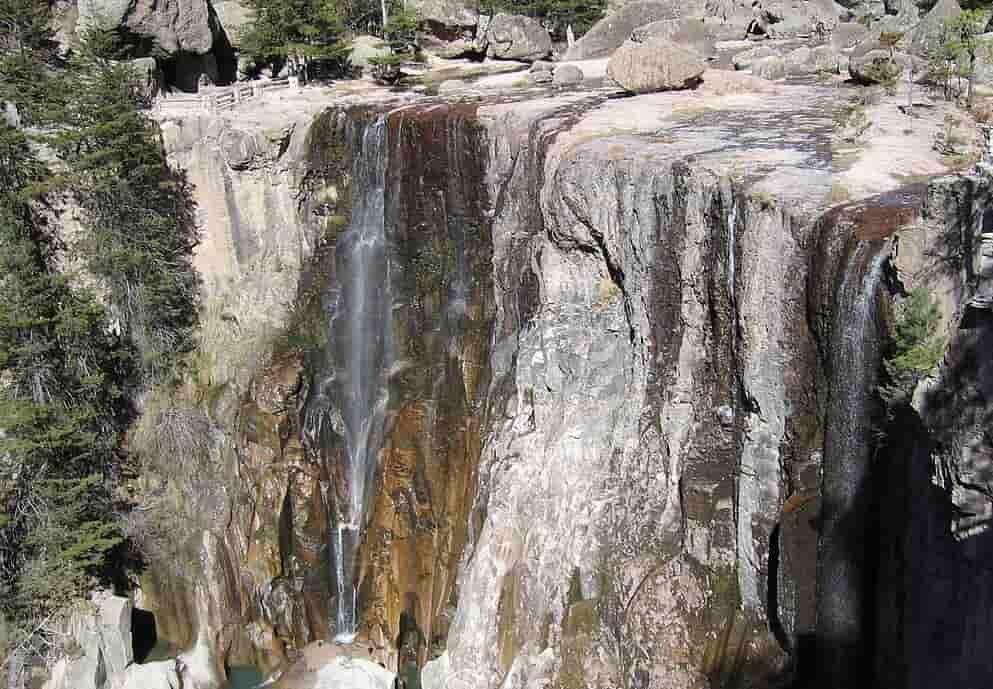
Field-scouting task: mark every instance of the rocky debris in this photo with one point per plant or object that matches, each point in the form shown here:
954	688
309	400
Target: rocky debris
655	65
692	34
874	63
848	35
366	47
608	34
233	16
747	58
516	37
567	75
927	35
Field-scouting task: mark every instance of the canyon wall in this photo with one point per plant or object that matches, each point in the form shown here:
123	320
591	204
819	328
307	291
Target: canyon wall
617	368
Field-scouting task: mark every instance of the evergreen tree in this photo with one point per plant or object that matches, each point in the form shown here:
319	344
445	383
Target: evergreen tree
299	31
137	213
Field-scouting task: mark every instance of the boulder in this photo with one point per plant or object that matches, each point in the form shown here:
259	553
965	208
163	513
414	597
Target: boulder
542	66
608	34
567	75
515	37
655	65
927	35
727	20
747	58
460	46
159	675
175	26
114	616
692	34
233	17
872	63
445	14
366	47
848	35
790	18
803	61
771	68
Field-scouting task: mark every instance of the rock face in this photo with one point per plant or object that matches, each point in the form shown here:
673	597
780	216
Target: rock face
101	631
614	330
515	37
446	14
656	65
747	58
608	34
567	75
175	25
691	34
873	63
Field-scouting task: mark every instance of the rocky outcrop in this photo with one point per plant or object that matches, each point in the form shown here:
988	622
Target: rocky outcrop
927	35
174	26
567	75
608	34
100	635
874	63
515	37
655	65
746	59
691	34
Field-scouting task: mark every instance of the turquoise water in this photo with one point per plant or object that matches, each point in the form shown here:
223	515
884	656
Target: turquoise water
243	678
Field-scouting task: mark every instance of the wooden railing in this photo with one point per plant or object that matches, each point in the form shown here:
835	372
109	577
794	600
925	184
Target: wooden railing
221	98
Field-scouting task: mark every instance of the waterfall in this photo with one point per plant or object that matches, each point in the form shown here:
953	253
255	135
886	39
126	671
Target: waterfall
845	520
732	222
359	335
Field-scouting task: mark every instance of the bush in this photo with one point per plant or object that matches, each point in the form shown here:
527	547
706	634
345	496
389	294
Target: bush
915	349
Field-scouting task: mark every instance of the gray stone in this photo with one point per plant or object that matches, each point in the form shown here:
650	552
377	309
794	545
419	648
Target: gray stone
747	58
927	35
608	34
567	75
542	66
848	35
790	18
114	615
515	37
234	16
157	675
692	34
873	63
446	13
771	68
366	47
804	61
174	25
656	65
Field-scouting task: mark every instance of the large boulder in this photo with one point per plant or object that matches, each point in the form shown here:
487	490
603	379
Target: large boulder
691	34
515	37
233	16
175	26
608	34
927	36
102	644
873	63
747	58
567	75
819	60
789	18
655	65
771	68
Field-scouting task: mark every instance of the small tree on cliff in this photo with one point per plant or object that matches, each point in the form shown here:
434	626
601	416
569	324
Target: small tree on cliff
915	349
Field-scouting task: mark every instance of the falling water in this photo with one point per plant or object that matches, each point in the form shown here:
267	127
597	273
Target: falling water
841	576
732	222
359	332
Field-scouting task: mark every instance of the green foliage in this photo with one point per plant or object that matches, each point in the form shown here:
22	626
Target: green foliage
915	349
399	34
556	15
301	29
61	406
960	43
140	231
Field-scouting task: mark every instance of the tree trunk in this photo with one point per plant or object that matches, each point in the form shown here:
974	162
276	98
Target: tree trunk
385	15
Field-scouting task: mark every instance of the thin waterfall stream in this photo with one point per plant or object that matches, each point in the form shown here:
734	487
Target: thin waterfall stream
359	329
842	577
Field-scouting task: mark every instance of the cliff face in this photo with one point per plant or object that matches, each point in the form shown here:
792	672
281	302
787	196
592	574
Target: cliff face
615	354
